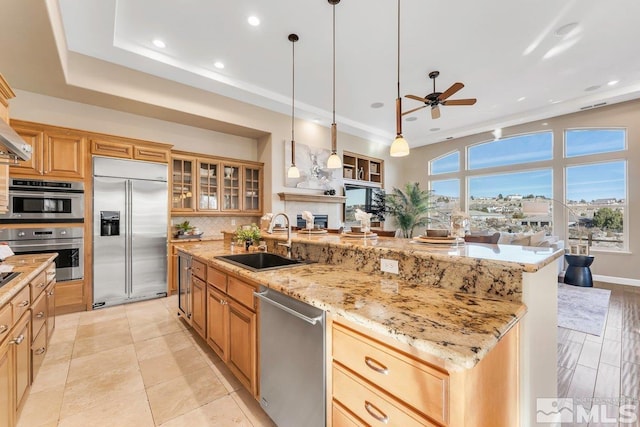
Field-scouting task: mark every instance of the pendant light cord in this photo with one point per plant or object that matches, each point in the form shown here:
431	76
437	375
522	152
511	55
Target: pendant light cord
398	48
293	87
334	63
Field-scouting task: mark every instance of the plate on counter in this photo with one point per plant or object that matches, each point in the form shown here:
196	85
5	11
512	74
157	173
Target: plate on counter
360	235
438	241
312	231
280	229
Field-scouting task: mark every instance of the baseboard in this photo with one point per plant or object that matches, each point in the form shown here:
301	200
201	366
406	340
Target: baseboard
616	280
609	279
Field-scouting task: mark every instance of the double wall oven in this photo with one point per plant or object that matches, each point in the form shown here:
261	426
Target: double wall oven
47	216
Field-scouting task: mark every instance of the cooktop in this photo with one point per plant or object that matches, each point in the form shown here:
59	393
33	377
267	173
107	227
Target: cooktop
7	277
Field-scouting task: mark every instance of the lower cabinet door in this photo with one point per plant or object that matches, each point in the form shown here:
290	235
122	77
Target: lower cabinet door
217	322
242	348
38	351
51	308
22	359
6	380
199	306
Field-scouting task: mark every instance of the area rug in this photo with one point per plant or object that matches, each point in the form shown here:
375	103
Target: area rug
582	309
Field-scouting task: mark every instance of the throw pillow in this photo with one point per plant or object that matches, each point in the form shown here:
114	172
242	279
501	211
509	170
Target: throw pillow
537	238
505	238
522	241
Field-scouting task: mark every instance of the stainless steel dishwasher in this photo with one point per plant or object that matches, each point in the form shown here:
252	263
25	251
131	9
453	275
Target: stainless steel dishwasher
292	360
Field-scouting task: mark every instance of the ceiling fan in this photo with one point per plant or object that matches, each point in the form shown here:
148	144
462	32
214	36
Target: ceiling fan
435	99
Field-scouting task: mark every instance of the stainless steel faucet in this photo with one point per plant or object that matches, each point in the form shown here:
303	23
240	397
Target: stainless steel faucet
270	230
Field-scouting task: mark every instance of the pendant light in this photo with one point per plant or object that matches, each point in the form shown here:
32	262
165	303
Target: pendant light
334	162
293	171
400	146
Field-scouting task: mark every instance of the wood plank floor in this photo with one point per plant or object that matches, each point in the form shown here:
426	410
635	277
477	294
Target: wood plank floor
605	369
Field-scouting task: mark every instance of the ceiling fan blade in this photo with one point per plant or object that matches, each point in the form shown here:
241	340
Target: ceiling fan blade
435	112
453	89
469	101
417	98
415	109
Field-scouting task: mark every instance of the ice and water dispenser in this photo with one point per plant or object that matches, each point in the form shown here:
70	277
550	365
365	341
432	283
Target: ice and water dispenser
109	223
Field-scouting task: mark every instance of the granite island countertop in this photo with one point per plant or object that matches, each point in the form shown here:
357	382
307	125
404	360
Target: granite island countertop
456	327
29	265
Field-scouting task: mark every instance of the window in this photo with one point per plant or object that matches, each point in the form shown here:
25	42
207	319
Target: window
496	201
596	195
511	151
581	142
445	197
445	164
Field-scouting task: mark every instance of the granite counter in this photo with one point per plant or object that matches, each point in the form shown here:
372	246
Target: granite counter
29	266
457	327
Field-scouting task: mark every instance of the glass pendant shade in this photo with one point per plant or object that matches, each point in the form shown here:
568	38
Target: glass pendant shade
399	147
334	162
293	172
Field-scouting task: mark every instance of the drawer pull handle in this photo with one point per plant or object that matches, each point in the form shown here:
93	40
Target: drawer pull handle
24	303
3	329
40	315
376	413
50	293
40	351
376	366
41	285
18	340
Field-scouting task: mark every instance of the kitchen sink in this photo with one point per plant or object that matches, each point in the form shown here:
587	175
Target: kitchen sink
260	261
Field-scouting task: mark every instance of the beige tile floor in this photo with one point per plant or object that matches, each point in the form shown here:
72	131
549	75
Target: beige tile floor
135	365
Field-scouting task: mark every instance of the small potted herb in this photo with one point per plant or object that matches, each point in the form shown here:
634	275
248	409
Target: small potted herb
184	228
248	234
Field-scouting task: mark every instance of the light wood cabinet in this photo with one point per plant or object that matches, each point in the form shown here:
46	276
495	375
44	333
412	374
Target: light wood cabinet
199	307
50	292
5	94
208	185
217	322
4	188
231	324
124	148
359	169
56	152
376	383
6	384
21	342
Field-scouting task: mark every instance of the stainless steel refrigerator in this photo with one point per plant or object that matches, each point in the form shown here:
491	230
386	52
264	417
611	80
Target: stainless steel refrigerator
130	216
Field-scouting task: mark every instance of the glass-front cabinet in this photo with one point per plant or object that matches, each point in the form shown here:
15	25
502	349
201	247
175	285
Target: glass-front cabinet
252	190
182	191
208	189
231	187
210	185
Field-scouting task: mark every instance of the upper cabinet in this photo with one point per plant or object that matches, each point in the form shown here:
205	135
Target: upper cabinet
56	152
5	94
212	185
125	148
360	169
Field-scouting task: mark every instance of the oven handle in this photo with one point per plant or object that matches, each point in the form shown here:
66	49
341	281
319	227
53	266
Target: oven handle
61	195
49	243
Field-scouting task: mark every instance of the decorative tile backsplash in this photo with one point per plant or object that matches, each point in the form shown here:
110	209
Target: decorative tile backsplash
212	226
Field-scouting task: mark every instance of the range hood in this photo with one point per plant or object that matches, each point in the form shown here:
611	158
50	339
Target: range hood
12	142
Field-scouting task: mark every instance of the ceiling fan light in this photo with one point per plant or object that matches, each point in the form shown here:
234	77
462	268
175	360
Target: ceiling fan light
399	147
293	172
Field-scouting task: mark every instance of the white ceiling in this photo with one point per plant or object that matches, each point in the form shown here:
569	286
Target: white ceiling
502	50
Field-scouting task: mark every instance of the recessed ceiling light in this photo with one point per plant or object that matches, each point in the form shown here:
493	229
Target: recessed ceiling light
159	43
545	124
317	120
411	119
553	101
434	129
592	88
613	82
254	21
566	29
449	137
377	105
219	65
522	98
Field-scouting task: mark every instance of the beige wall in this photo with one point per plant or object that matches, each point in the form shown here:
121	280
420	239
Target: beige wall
619	267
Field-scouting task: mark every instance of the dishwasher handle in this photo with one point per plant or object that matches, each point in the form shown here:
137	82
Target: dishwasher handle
311	320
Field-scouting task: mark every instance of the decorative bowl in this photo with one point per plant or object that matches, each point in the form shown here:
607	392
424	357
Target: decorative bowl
437	232
355	229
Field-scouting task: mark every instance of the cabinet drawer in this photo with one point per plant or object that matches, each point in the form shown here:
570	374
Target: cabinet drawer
241	292
38	314
37	285
340	417
199	269
217	278
151	154
411	381
20	303
111	148
6	321
50	273
372	405
38	351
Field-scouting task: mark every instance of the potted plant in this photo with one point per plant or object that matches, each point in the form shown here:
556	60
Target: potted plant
184	228
409	207
248	234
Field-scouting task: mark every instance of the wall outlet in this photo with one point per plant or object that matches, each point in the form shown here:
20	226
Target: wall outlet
233	222
389	266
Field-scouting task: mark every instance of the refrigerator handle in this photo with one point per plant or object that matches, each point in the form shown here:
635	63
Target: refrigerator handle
128	245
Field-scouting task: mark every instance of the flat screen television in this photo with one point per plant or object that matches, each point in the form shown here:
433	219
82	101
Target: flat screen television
360	197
